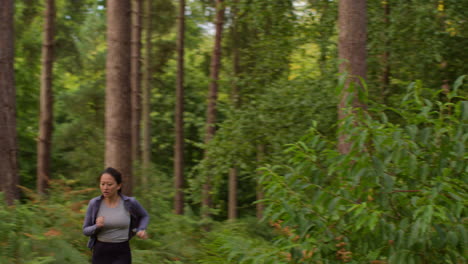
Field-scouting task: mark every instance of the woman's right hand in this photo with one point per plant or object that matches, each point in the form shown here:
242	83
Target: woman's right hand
100	221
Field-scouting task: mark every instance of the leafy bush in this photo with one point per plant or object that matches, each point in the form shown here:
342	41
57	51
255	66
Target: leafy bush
399	196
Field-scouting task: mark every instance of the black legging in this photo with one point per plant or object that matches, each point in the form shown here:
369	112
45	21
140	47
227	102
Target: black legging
112	253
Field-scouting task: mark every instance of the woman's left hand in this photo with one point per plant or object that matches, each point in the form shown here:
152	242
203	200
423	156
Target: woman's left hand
142	234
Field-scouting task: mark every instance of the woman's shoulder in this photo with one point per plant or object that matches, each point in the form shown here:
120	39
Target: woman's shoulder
129	198
95	199
132	201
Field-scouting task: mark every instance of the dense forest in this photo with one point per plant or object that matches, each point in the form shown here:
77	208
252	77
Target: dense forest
253	131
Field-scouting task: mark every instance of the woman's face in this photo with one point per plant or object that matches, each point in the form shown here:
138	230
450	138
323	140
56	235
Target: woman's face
108	185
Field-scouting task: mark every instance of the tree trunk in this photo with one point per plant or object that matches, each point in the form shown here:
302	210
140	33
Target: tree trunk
146	107
212	98
234	171
232	201
385	78
179	116
136	79
441	15
260	193
44	144
235	55
118	99
352	41
9	176
324	38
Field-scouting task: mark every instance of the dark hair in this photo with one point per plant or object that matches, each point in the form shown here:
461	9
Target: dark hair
114	173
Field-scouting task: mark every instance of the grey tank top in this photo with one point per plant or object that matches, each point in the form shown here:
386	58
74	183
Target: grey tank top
116	223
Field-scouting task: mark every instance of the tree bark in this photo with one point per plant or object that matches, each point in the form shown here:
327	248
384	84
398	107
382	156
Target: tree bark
212	98
146	107
136	79
352	20
385	78
235	55
232	200
260	193
179	116
118	99
44	144
234	171
441	15
9	176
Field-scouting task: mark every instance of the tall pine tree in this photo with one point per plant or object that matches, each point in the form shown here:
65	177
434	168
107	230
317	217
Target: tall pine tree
44	143
352	22
179	115
212	98
9	176
118	103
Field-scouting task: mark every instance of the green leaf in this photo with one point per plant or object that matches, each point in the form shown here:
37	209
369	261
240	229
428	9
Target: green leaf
358	175
373	255
375	216
388	183
378	166
461	231
383	117
452	239
415	233
456	85
332	204
464	110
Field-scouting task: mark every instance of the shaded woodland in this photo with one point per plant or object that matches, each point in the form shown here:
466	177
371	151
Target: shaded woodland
255	132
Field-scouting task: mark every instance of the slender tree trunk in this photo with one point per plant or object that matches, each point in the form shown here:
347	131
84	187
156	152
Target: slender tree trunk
9	176
385	79
234	171
118	98
212	98
179	116
235	56
136	79
146	108
260	193
441	5
232	200
445	86
352	20
322	60
44	144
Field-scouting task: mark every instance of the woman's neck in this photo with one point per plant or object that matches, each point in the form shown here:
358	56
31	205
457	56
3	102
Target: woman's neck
112	199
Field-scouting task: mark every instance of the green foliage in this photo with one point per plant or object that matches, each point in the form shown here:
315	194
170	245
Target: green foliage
398	196
44	230
416	36
172	238
269	120
48	229
276	106
78	64
27	71
243	242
